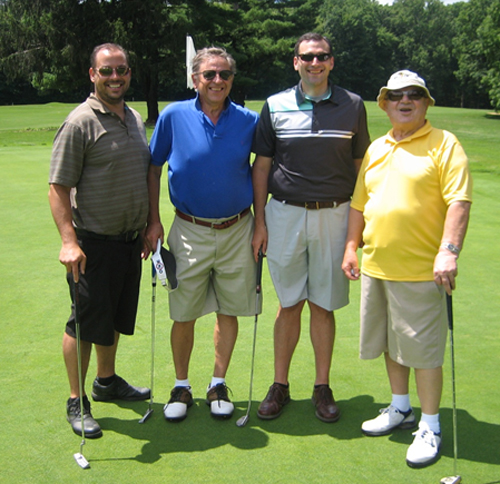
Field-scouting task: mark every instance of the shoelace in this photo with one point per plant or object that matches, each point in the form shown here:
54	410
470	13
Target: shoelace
74	407
176	394
427	436
221	391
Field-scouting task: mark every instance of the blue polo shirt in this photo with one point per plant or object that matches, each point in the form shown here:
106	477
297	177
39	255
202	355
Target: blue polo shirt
209	171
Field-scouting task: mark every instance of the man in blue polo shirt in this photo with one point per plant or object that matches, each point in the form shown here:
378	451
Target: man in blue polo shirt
206	142
310	142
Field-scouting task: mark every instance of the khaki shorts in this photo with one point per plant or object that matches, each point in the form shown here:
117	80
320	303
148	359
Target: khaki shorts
215	269
305	252
406	319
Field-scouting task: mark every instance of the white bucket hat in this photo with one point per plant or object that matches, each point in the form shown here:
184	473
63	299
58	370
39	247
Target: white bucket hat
402	79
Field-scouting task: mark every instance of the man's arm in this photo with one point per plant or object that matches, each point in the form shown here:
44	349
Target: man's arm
357	164
260	175
354	235
154	229
455	228
71	254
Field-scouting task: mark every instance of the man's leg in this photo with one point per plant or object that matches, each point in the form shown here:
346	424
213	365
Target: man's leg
429	389
286	337
106	358
181	342
74	405
70	354
399	376
322	329
225	334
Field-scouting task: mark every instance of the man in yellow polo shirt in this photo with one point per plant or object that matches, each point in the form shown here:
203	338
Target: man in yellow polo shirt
410	209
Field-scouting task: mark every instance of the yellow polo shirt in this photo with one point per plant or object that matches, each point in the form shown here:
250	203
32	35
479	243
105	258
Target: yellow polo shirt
404	189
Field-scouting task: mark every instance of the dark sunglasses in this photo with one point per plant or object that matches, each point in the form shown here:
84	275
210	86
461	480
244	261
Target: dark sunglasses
224	75
413	95
108	71
310	57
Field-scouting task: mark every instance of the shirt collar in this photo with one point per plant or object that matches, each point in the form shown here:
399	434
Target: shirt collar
301	96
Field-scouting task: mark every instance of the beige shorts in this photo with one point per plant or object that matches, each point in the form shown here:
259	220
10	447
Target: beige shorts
304	254
215	269
406	319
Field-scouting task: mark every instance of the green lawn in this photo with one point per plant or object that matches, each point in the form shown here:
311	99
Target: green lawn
37	444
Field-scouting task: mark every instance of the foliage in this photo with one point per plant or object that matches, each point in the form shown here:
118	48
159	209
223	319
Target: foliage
454	47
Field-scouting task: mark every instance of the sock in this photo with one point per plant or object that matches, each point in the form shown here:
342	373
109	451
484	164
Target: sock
432	421
216	381
401	402
106	381
182	383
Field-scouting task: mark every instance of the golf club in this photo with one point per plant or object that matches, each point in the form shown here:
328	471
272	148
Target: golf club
153	304
242	421
79	457
455	479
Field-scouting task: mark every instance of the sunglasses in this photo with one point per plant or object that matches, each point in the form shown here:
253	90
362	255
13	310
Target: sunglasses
310	57
413	95
108	71
210	75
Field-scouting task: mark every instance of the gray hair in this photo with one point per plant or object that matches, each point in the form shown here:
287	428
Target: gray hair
207	53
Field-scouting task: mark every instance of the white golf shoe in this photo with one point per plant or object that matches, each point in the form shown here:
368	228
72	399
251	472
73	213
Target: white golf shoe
180	399
425	447
220	405
389	419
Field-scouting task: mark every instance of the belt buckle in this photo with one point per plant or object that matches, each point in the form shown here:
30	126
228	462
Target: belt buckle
311	205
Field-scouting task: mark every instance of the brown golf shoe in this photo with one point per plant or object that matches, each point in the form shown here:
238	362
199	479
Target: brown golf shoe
272	406
326	408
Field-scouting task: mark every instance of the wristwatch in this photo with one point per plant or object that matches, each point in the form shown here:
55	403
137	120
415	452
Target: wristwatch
451	247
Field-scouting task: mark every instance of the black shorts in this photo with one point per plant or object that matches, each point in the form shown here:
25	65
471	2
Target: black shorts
109	290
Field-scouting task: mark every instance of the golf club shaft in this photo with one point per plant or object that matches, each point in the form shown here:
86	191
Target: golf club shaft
76	298
449	304
153	332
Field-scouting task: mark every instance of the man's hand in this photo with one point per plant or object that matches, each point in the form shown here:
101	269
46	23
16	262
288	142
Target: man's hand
73	258
350	265
445	269
259	240
154	231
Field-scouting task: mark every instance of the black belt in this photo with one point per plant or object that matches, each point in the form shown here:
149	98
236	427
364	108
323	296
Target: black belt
315	205
212	225
125	237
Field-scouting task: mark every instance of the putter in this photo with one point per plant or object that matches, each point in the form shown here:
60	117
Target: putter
455	479
153	301
79	457
242	421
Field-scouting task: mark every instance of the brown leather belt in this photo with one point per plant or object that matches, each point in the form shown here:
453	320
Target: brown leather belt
315	205
212	225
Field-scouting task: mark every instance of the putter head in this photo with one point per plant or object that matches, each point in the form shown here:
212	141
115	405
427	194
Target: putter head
242	421
165	266
81	461
146	415
451	480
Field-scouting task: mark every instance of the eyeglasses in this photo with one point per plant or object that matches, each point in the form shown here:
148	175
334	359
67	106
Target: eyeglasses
210	75
108	71
413	95
310	57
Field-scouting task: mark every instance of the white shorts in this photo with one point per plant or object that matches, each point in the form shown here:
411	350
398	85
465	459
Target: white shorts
305	252
406	319
215	269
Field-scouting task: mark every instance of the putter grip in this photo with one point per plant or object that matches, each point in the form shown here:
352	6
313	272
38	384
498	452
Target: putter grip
76	296
449	307
259	271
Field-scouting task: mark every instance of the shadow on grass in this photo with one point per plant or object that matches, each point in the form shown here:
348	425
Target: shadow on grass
477	441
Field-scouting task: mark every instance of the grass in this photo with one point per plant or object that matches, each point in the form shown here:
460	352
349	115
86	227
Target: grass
37	443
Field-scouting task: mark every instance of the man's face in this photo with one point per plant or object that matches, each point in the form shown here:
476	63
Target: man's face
110	89
213	92
406	115
314	74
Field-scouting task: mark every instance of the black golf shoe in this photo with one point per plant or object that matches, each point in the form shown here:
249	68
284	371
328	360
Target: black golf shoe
118	390
90	426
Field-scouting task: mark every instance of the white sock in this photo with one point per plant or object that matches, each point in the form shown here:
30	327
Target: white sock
432	421
216	381
182	383
401	402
